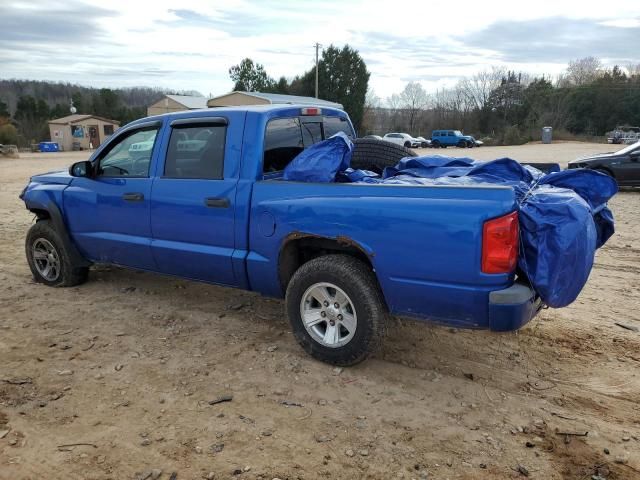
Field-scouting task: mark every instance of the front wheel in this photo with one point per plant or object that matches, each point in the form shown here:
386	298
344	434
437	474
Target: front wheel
48	259
336	309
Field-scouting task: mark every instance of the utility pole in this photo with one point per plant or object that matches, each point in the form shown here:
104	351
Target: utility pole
317	45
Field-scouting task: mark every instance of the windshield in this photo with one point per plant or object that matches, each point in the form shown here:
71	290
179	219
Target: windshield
628	149
458	133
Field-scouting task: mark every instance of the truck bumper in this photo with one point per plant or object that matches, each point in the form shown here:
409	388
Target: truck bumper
513	307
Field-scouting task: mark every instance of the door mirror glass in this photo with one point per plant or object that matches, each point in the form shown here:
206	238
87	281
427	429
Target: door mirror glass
80	169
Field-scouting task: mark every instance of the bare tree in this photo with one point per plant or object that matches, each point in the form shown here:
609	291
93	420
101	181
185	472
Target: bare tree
478	87
394	102
584	70
633	69
372	102
413	100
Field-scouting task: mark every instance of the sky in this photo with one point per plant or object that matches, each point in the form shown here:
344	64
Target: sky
190	44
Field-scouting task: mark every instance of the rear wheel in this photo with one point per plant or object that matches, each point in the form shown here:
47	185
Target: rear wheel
336	309
375	155
48	259
435	144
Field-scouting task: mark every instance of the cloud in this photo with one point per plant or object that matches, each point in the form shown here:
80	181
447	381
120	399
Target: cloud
190	44
557	39
37	22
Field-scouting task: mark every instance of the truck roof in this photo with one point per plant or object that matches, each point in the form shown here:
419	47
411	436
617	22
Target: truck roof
213	111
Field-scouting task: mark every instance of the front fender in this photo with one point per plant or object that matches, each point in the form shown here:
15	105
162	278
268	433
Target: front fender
45	200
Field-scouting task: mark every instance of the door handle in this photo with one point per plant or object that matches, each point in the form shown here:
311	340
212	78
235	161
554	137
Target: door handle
133	197
215	202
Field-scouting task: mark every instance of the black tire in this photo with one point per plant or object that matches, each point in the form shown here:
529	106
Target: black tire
462	144
359	283
375	155
470	144
435	144
68	274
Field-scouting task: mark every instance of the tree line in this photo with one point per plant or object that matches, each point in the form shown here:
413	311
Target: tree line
26	106
502	106
508	107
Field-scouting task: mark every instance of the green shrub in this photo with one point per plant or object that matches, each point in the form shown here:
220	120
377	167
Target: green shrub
8	135
512	136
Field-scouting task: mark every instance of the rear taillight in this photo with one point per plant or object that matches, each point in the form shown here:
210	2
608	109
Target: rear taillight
500	244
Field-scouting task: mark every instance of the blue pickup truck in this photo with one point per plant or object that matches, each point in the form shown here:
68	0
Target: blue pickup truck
200	195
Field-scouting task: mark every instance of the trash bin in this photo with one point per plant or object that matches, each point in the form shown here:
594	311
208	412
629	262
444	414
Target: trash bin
48	147
547	134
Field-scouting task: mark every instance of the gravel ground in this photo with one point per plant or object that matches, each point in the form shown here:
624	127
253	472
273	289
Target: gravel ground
114	379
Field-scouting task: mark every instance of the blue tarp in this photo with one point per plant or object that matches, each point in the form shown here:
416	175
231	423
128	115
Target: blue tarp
322	161
563	215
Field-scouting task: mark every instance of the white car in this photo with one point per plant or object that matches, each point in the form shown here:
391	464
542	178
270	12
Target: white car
402	139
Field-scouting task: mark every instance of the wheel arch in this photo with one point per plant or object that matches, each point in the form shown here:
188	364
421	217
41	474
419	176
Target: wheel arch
298	248
604	168
51	212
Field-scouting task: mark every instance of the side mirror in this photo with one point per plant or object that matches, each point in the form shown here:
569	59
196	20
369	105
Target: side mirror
81	169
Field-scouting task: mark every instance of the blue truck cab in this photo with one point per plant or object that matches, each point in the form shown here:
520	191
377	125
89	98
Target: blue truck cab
451	138
200	195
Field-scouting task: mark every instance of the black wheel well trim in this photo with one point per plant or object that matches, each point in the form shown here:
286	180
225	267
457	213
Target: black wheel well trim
298	248
605	168
52	212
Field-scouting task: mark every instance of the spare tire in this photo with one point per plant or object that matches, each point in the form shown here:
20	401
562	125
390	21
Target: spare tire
375	155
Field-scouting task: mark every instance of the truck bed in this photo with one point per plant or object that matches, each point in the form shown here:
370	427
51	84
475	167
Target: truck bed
442	226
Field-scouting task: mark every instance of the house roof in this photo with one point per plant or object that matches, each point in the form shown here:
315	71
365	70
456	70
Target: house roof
278	98
75	118
189	101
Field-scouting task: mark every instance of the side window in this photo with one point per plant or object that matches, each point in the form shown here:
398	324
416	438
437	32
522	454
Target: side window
333	125
130	156
196	151
282	142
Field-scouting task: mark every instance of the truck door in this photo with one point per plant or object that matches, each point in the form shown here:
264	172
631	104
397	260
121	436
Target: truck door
193	198
627	168
108	214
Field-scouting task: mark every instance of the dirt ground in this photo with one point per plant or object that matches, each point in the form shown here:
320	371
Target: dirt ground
113	379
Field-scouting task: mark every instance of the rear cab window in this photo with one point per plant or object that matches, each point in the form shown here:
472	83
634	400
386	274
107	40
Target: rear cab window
285	138
196	151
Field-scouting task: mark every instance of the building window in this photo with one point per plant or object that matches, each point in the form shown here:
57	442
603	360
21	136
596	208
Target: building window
108	129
